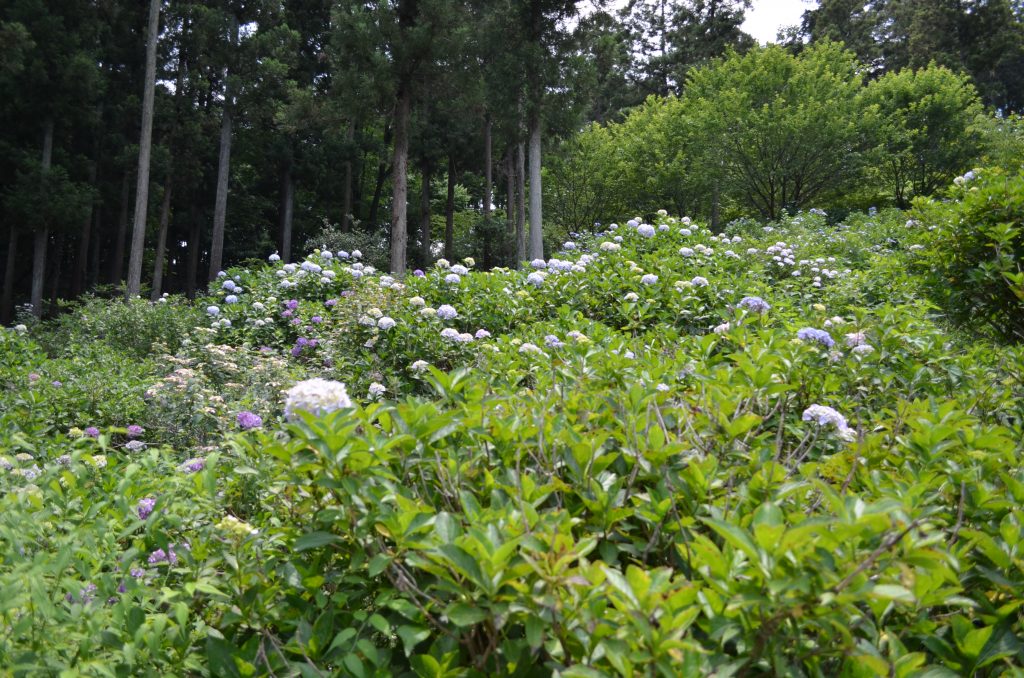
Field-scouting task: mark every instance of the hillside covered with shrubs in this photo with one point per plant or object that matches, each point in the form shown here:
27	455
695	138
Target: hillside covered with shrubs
790	448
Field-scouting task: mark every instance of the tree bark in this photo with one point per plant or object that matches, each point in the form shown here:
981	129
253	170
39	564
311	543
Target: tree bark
536	218
117	263
287	209
346	193
400	180
220	205
145	150
161	239
424	258
449	212
520	204
12	261
42	236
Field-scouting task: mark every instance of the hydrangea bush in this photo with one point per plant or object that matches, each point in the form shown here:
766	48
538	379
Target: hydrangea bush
660	451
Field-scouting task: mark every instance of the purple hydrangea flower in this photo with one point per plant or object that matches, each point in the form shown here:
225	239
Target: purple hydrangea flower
820	336
161	556
331	302
754	304
551	341
145	507
92	432
194	465
316	319
64	459
347	293
56	384
286	314
248	420
134	431
418	273
292	304
137	572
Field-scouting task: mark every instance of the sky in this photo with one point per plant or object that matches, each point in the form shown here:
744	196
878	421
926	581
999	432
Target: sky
766	16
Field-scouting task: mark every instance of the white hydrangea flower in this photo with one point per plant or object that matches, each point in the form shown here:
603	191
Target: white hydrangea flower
686	251
386	323
275	257
417	302
376	390
459	269
538	263
631	296
646	230
452	279
356	254
649	279
527	347
213	310
609	246
419	366
316	396
447	312
699	281
535	279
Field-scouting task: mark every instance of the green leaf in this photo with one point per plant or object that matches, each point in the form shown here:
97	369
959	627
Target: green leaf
312	540
411	637
462	614
892	592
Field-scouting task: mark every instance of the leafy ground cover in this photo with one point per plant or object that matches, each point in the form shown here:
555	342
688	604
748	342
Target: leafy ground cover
661	451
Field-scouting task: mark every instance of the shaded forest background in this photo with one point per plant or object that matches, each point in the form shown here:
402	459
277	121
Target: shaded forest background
146	146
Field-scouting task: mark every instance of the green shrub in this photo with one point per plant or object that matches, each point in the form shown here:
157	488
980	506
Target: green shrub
975	252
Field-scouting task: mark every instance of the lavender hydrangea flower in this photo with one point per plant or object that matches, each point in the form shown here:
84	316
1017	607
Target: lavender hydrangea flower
551	341
418	273
754	304
646	230
482	334
825	416
386	323
134	431
135	446
248	420
820	336
145	507
649	279
446	312
194	465
92	432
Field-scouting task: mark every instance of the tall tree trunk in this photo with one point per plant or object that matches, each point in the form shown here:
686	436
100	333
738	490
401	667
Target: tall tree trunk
42	236
145	149
12	261
287	209
220	204
520	204
449	212
346	191
536	218
424	257
161	239
117	263
194	235
400	180
488	177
